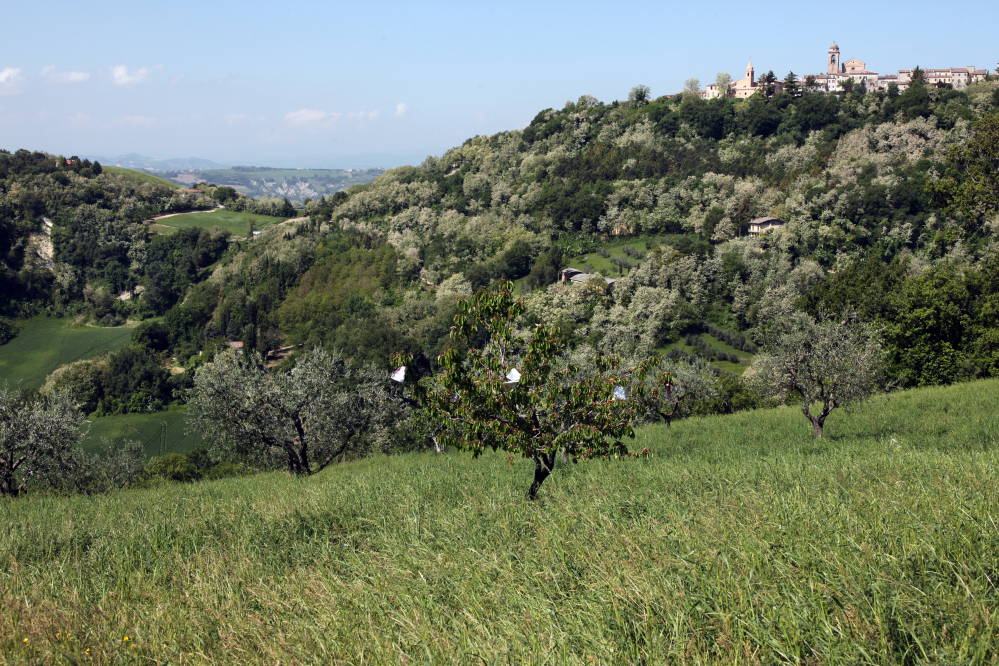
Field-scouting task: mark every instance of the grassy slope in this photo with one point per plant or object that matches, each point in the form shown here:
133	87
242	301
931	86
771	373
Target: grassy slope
235	222
160	433
139	176
44	344
741	540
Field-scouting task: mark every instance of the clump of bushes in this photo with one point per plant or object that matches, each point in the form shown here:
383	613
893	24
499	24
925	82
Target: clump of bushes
195	465
709	352
8	330
634	252
732	339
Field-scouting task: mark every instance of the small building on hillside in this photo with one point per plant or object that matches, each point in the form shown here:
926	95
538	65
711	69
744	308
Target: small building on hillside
762	225
579	277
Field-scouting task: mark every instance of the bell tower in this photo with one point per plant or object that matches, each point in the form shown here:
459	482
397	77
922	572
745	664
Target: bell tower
833	65
751	73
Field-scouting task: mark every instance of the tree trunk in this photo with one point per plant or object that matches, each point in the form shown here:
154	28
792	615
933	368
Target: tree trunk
543	467
817	425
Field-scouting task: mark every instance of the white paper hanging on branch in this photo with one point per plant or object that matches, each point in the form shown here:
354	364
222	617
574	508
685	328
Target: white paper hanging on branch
513	378
400	374
619	393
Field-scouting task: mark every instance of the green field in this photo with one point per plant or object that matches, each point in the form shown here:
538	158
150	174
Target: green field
45	343
235	222
160	432
139	176
740	540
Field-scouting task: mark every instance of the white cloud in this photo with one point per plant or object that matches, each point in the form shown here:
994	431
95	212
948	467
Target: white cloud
53	75
136	120
307	116
10	81
123	77
401	109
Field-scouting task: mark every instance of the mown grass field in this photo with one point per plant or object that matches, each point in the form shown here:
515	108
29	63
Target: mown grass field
741	540
139	176
160	432
236	222
45	343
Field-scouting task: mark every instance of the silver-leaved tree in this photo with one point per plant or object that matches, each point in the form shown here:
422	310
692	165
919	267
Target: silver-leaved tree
545	408
832	362
307	418
39	441
672	387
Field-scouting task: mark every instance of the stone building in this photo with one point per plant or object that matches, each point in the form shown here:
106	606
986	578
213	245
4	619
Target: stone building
838	71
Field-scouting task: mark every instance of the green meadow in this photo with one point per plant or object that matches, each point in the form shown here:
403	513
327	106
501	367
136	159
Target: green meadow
44	344
160	432
235	222
738	540
139	176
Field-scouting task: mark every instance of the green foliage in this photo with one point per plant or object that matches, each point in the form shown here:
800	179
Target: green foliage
8	330
128	380
174	263
928	329
971	183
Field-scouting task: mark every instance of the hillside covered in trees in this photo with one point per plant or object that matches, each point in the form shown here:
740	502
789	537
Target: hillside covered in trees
881	216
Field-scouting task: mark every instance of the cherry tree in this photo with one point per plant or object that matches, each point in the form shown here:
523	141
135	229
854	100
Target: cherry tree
523	396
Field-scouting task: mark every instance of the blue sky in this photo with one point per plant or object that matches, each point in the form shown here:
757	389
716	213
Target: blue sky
321	83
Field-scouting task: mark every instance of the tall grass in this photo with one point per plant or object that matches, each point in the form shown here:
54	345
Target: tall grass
740	540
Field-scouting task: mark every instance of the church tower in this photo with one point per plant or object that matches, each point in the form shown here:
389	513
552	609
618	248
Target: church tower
751	74
833	66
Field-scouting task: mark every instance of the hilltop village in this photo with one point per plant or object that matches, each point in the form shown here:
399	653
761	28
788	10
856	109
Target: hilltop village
840	75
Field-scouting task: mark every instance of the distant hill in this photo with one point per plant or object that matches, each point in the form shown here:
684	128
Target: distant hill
135	161
296	184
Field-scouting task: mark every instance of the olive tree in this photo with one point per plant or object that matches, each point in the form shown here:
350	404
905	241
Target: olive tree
38	440
307	418
671	387
832	362
523	395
